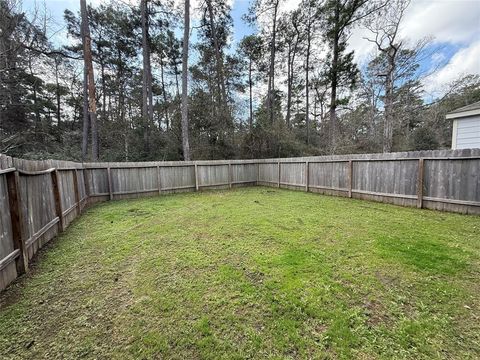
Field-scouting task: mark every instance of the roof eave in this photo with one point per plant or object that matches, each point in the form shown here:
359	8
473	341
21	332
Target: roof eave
463	114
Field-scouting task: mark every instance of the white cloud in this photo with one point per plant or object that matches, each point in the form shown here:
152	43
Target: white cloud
447	21
465	61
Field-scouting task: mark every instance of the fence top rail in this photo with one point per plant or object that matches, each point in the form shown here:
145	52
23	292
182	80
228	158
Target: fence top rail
369	160
216	164
68	169
35	173
113	167
106	166
328	161
88	166
421	158
453	158
293	162
6	171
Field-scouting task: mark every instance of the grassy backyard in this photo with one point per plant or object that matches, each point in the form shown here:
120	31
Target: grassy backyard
250	273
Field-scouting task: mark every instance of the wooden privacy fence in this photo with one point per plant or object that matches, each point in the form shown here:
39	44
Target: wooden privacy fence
39	199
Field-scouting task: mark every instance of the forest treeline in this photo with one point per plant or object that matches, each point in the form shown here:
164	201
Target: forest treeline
164	81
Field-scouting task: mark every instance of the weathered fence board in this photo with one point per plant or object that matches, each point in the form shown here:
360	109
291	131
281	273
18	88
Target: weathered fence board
386	177
126	181
328	176
177	178
213	176
38	208
97	181
8	271
452	179
67	195
292	174
243	174
268	172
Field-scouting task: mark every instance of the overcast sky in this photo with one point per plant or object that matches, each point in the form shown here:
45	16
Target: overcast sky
454	26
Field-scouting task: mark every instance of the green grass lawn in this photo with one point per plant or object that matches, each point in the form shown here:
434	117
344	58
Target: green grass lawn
251	273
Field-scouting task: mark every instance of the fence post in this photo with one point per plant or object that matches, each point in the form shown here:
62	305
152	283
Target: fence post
350	177
77	193
159	181
230	175
57	197
109	178
307	165
258	173
196	177
16	216
278	185
420	183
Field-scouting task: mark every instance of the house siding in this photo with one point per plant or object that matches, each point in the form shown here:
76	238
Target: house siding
466	133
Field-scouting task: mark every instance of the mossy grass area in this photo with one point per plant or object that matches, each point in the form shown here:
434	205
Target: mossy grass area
250	273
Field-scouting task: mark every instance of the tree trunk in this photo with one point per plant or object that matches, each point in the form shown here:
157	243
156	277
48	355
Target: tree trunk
334	82
271	72
57	94
104	92
176	80
126	143
94	128
220	71
250	85
87	56
186	33
389	82
289	86
150	93
147	96
307	84
292	52
164	92
86	118
38	123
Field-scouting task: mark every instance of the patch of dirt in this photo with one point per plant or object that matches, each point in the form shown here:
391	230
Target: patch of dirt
255	277
386	280
394	281
138	212
320	328
269	191
375	313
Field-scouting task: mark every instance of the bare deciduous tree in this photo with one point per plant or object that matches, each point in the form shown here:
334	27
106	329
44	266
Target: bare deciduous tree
385	29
